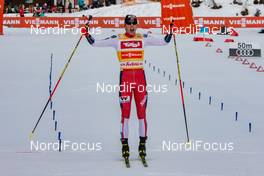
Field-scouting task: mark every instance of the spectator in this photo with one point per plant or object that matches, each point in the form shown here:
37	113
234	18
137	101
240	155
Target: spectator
95	4
49	3
37	11
42	13
244	12
9	9
258	2
15	9
238	2
215	6
258	13
60	6
31	9
107	2
70	7
45	7
63	8
195	3
54	9
81	4
22	11
101	3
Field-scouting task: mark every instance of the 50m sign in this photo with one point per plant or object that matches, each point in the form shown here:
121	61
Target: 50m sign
244	49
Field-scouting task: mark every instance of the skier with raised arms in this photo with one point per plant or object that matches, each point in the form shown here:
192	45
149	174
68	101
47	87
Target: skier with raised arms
130	52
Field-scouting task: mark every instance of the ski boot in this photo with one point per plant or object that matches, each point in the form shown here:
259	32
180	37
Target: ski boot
125	151
125	148
142	147
142	150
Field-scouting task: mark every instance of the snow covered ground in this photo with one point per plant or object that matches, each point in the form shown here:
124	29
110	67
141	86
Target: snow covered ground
154	9
84	115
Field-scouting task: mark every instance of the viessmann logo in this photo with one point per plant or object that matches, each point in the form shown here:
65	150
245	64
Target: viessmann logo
131	44
180	18
171	6
131	55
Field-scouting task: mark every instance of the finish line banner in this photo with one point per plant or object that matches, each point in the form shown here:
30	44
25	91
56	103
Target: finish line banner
118	22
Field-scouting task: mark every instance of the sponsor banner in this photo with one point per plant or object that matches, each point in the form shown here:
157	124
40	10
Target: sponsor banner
178	10
244	49
70	22
118	22
235	22
1	16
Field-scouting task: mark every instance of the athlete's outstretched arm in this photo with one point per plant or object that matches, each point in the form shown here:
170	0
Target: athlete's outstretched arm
107	42
150	40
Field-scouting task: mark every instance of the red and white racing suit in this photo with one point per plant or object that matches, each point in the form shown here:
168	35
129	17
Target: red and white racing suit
130	52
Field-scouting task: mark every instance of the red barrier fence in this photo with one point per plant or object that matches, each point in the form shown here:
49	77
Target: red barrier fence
117	22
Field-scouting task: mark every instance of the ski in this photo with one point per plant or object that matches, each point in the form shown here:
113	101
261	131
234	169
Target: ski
127	162
144	162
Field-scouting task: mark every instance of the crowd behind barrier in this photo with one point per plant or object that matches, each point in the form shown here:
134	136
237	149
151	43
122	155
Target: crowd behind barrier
40	9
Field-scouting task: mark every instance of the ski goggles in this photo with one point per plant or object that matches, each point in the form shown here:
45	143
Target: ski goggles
131	20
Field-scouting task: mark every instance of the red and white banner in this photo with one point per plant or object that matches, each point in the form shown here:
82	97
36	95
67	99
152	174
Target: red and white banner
235	22
178	10
1	16
118	22
69	22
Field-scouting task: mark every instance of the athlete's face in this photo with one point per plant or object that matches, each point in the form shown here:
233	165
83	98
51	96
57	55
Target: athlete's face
131	28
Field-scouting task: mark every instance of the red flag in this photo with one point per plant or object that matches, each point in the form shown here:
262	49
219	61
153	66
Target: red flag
179	11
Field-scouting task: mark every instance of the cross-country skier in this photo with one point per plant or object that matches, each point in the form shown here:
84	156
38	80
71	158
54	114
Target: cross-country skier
130	52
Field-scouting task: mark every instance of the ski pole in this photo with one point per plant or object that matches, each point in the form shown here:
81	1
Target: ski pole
55	88
58	81
181	91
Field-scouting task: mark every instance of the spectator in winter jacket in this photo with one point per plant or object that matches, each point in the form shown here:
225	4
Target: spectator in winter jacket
215	5
45	7
81	4
238	2
257	13
258	2
70	7
37	12
21	11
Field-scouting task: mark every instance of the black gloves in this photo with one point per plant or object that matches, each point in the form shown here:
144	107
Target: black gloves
168	37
